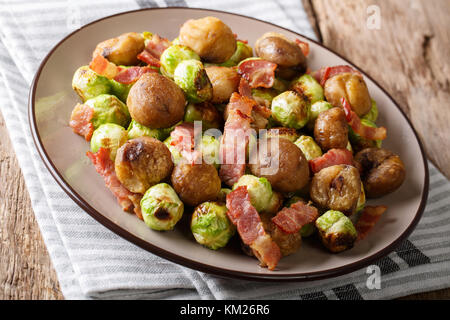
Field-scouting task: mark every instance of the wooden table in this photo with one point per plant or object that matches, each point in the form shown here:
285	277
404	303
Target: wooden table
408	55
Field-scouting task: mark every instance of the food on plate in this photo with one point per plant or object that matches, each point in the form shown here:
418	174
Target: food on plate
211	226
292	171
291	109
382	171
161	207
156	101
253	142
336	231
142	162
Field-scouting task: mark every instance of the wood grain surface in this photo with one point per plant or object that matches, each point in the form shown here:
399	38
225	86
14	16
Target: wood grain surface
408	56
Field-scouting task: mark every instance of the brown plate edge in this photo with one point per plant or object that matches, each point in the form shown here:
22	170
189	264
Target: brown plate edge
191	263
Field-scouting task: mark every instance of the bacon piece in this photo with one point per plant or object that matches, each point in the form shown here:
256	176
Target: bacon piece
149	59
304	46
132	74
369	217
156	46
331	158
364	131
102	66
325	73
80	121
183	138
244	88
292	219
258	72
105	167
250	228
235	138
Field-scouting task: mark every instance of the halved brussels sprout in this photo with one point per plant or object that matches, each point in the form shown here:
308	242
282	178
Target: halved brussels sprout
264	96
309	87
176	154
243	51
336	231
259	190
161	207
108	136
120	90
359	142
317	108
173	55
291	109
191	77
282	132
211	226
372	115
204	112
89	84
309	147
108	109
210	148
136	130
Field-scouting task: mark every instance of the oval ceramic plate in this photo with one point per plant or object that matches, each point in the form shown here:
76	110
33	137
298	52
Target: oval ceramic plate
50	105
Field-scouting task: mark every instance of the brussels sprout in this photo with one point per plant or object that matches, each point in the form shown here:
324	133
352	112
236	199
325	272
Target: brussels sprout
108	109
136	130
317	108
373	113
361	201
336	231
359	142
176	154
190	76
161	207
280	85
176	41
204	112
173	55
109	136
308	229
210	225
120	90
88	84
290	109
349	147
243	51
282	132
276	201
309	87
259	190
309	147
222	196
210	148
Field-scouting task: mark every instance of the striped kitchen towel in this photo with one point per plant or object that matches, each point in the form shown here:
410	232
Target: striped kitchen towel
92	262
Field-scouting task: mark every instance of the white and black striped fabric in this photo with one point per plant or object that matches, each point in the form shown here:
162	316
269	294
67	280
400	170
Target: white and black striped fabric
92	262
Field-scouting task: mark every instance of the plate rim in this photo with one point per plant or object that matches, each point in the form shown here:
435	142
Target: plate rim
190	263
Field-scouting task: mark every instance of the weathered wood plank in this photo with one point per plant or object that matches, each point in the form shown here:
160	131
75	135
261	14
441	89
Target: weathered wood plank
26	271
408	56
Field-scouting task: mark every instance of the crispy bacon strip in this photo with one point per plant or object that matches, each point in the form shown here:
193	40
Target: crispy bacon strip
80	121
304	46
132	74
183	139
258	72
331	158
250	228
102	66
105	167
244	88
369	217
364	131
292	219
156	45
149	59
325	73
235	138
